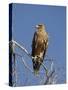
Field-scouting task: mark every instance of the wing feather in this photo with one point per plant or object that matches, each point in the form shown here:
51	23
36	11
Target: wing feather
34	43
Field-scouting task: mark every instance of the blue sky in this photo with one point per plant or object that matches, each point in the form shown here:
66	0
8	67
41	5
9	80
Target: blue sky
24	19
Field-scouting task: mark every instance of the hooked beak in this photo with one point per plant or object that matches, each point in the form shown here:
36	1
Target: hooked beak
37	26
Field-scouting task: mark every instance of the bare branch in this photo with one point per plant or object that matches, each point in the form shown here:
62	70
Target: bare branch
47	80
21	47
48	74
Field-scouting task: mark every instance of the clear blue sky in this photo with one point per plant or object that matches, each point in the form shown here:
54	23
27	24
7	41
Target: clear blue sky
24	19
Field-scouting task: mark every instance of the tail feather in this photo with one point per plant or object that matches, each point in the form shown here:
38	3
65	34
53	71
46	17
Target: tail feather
36	72
36	66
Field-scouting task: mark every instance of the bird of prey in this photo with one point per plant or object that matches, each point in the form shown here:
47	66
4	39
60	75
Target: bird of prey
39	46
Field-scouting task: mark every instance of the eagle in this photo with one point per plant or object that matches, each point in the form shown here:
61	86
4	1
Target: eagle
39	46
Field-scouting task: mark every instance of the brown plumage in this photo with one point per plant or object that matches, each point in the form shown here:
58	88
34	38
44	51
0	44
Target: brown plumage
39	46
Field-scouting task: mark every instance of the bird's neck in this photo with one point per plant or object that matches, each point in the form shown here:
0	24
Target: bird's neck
41	30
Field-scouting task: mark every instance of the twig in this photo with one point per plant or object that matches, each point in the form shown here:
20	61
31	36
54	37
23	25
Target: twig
47	80
21	47
24	62
26	65
45	69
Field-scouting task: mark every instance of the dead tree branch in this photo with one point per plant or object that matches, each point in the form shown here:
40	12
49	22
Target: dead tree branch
14	44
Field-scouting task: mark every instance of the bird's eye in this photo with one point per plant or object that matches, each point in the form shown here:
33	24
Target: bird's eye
37	56
39	25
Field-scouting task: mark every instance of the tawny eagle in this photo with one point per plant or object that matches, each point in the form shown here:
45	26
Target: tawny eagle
39	46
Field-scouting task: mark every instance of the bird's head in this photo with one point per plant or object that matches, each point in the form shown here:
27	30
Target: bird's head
40	27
